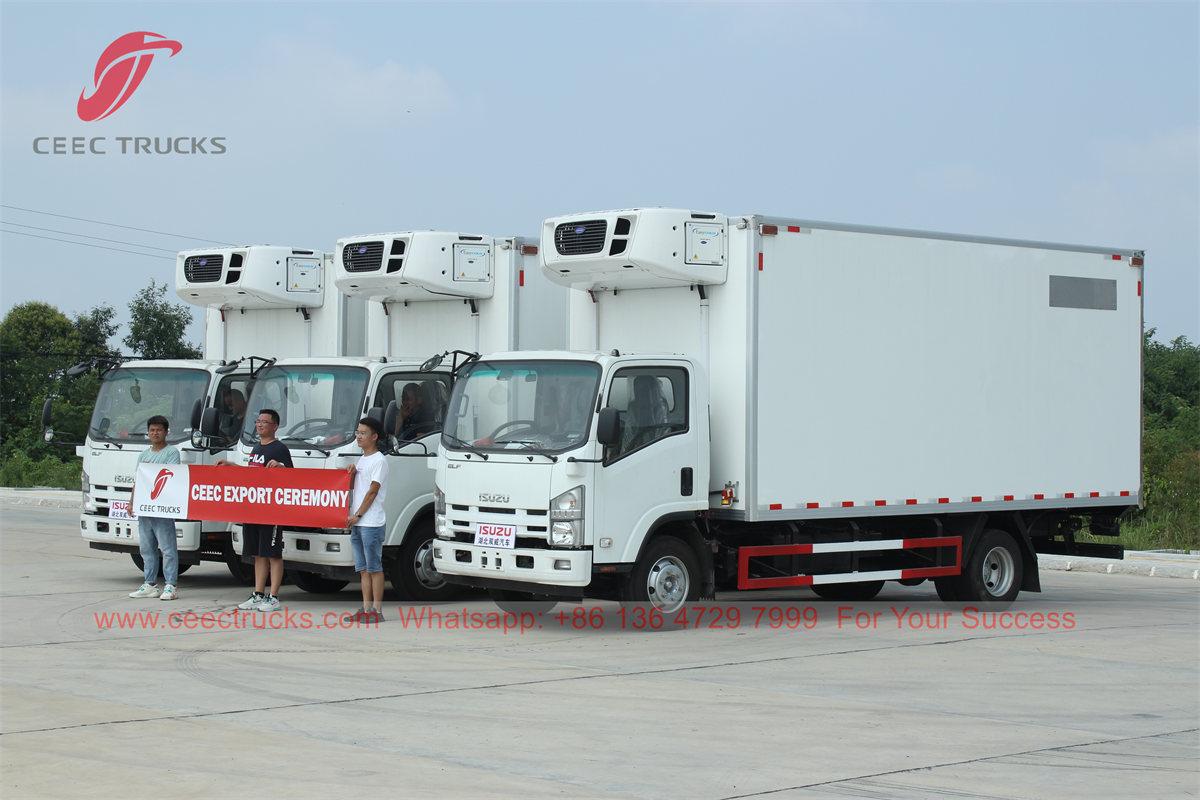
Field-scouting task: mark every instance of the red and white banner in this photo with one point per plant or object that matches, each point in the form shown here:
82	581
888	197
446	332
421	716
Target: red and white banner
311	498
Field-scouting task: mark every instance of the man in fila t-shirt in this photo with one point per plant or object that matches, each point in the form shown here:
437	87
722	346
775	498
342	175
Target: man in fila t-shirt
265	542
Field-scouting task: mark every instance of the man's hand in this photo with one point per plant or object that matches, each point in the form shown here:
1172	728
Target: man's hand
350	468
352	520
274	463
222	462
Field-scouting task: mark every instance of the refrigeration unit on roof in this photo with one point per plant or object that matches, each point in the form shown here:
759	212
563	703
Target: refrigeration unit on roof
255	276
644	248
417	266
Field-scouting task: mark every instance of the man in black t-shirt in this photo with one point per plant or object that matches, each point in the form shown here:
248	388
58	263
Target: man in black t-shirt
265	542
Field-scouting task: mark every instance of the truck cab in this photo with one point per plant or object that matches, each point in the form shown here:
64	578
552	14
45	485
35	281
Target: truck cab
557	467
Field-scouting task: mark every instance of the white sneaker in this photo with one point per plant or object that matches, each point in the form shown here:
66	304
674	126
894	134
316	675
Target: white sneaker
267	604
252	603
147	590
168	593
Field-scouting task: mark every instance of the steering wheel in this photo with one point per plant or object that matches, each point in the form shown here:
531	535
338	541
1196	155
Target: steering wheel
511	423
298	431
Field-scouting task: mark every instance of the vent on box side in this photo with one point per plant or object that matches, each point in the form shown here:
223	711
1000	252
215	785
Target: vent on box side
617	247
362	256
394	265
622	227
397	247
203	269
580	238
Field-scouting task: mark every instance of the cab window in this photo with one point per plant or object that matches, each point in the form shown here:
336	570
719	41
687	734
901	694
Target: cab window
651	404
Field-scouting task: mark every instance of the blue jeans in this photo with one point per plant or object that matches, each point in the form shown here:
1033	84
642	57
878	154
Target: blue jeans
367	544
158	533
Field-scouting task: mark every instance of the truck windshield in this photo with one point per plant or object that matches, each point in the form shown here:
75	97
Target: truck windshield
318	406
129	396
515	405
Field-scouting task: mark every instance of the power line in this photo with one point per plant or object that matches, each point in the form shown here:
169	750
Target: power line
115	225
85	236
85	244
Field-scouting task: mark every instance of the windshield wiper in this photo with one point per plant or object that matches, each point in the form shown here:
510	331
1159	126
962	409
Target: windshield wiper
455	440
104	438
530	445
305	445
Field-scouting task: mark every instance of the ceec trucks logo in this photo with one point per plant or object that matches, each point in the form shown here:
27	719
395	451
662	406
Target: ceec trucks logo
120	70
159	482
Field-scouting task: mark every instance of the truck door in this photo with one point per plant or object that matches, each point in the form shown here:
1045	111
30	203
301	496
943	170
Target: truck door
651	470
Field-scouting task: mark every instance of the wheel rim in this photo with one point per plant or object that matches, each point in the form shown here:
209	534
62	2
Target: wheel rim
667	584
423	567
997	571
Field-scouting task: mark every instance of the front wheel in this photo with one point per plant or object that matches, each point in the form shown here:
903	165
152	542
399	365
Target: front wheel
317	584
412	573
994	572
242	572
665	577
141	565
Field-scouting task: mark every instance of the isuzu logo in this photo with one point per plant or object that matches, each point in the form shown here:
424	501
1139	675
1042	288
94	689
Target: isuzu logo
122	479
484	497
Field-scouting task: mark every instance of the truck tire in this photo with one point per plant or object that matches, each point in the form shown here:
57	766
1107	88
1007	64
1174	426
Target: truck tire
141	565
316	584
515	602
994	571
242	572
412	573
859	591
666	576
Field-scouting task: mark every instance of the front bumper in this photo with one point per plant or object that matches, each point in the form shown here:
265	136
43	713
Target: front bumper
107	530
327	554
523	565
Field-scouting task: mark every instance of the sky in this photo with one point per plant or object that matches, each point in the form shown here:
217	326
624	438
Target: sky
1074	122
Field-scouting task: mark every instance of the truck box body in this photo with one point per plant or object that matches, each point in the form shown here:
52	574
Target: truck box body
857	371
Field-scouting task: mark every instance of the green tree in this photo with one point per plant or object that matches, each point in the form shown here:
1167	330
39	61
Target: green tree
37	342
156	326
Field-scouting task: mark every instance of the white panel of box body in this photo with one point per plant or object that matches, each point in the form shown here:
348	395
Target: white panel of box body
895	367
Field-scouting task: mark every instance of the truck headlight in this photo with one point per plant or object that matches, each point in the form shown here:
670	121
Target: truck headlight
440	527
86	486
566	516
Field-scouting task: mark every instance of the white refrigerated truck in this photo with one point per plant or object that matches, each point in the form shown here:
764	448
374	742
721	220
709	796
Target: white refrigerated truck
752	402
260	300
427	292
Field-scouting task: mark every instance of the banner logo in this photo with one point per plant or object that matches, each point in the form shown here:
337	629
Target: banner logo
119	72
159	482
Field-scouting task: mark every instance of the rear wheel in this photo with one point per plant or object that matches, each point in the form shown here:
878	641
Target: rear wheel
666	576
945	589
994	572
412	573
316	584
862	590
516	602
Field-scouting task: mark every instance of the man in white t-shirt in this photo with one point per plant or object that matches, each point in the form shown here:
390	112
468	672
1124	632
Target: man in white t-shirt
367	523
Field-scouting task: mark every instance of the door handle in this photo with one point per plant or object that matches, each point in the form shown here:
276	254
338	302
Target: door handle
685	481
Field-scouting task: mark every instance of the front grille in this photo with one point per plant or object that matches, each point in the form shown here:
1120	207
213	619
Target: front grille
203	269
531	523
362	256
580	238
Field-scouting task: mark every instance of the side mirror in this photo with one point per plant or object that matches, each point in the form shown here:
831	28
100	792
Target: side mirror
46	413
210	423
102	428
197	438
390	417
48	435
608	427
78	369
197	411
